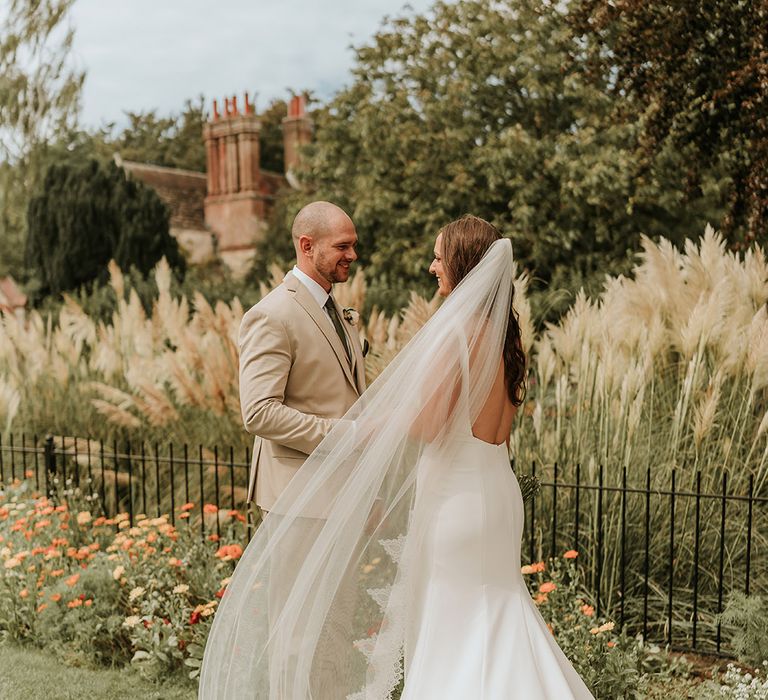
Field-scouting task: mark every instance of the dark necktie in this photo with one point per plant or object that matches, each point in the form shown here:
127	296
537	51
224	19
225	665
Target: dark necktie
331	308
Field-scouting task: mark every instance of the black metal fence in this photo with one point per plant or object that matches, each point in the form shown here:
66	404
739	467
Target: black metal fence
661	554
660	558
137	479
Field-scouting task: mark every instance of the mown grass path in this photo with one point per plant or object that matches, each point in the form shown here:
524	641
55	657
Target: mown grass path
31	674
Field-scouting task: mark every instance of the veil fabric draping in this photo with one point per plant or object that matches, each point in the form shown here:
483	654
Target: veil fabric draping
322	603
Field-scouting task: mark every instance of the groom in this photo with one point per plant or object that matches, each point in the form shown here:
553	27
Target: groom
301	364
301	369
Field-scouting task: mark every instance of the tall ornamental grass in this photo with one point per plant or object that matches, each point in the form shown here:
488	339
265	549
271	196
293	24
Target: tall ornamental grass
665	372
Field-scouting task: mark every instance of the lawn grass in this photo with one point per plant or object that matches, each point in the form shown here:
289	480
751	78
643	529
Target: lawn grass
29	673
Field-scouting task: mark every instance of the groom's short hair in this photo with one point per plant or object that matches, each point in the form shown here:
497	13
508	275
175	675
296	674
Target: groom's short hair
316	219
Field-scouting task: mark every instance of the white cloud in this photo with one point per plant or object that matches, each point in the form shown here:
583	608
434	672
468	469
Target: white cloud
155	54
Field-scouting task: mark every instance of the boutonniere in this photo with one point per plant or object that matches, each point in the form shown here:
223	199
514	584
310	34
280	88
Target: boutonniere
351	316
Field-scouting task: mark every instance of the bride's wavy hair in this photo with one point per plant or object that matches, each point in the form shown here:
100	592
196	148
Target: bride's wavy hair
464	243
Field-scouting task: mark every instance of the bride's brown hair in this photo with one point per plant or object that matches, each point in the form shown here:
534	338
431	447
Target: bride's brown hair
464	243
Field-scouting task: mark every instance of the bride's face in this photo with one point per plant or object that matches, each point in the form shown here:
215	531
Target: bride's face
436	268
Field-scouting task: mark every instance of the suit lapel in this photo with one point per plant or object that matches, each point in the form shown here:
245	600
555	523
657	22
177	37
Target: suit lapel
304	299
353	338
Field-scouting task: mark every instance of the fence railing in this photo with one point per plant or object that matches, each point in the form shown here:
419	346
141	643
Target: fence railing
661	556
134	478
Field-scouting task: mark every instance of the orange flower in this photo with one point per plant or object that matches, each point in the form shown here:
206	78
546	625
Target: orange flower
213	538
210	508
571	554
536	568
173	561
610	645
183	516
229	551
72	580
88	602
23	593
186	507
42	607
547	587
57	572
56	597
76	603
540	598
588	610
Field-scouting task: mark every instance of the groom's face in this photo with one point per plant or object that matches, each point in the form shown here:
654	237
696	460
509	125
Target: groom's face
334	252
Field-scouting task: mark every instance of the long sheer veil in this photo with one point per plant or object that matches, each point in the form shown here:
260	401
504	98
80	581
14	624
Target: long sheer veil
320	605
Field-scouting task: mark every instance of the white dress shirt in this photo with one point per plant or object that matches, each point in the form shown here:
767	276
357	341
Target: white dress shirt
315	289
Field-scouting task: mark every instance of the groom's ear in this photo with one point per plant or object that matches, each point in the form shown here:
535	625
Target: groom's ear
306	244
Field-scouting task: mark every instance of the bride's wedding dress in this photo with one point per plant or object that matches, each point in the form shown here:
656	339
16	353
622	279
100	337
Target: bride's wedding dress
395	550
474	630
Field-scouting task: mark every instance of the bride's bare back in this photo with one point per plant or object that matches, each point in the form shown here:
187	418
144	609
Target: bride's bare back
494	422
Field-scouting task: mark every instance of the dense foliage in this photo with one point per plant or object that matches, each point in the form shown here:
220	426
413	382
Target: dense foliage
491	108
697	73
86	215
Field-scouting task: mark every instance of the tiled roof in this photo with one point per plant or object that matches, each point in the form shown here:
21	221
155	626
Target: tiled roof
182	191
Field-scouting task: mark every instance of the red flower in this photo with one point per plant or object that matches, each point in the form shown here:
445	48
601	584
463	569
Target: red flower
194	618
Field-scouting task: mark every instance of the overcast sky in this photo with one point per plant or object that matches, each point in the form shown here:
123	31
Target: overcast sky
147	54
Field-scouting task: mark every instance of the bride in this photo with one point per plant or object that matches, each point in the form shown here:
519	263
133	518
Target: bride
392	559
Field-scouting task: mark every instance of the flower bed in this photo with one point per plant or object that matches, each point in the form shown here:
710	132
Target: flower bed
104	591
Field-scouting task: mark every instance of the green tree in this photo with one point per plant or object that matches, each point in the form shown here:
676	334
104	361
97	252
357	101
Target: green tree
175	141
86	214
490	108
271	141
696	74
39	100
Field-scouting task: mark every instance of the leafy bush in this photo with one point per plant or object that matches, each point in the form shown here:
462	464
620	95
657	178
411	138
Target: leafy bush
747	619
611	664
86	214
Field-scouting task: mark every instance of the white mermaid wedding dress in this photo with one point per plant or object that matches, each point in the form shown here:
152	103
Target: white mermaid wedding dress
395	549
475	632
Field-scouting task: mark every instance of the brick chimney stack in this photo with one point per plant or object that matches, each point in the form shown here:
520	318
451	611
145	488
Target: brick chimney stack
235	204
297	131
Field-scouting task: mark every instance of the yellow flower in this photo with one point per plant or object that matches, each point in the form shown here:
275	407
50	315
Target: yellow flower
118	572
181	588
83	517
136	593
131	621
606	627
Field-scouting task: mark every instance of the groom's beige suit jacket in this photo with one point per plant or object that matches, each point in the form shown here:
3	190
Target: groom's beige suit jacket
295	381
